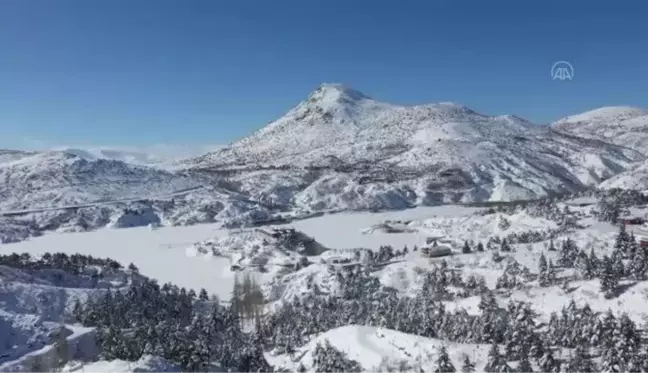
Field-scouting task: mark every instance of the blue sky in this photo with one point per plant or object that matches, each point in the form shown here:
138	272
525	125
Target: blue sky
144	72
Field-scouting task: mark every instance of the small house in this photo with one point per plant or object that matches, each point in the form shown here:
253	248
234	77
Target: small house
632	220
642	236
438	251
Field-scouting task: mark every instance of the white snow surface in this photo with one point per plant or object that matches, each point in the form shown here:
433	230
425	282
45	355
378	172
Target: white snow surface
146	363
369	346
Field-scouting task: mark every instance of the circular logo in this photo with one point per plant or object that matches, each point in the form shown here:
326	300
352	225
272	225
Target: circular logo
562	70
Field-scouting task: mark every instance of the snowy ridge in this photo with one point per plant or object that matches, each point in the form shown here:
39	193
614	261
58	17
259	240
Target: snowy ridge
353	152
621	125
50	179
56	190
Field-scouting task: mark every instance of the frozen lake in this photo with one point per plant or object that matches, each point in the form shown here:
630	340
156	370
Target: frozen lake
166	255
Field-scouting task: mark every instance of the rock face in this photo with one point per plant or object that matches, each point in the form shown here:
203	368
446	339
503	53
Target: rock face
340	149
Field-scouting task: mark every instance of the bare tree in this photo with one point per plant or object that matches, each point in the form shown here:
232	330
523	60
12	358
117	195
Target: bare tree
247	297
61	348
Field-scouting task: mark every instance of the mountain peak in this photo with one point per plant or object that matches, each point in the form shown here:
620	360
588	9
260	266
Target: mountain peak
336	92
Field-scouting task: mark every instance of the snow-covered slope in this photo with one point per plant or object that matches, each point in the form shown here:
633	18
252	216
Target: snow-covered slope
162	155
146	363
621	125
57	179
56	190
634	178
371	347
361	153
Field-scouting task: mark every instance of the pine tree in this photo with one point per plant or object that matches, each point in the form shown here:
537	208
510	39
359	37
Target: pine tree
551	273
568	253
443	363
584	266
609	279
576	361
547	363
77	311
467	365
552	247
633	246
203	296
61	347
636	363
466	248
495	360
594	261
543	266
611	362
638	264
480	247
505	247
622	242
524	365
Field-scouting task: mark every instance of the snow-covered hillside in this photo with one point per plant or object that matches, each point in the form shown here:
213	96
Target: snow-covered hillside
161	156
621	125
340	149
371	347
58	179
56	190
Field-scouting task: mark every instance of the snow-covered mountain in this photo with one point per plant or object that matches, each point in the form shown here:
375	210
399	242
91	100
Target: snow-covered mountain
621	125
33	180
56	190
347	150
337	150
161	155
